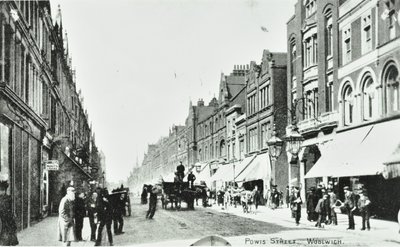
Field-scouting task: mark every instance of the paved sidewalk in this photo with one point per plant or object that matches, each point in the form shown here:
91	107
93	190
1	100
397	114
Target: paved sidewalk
380	229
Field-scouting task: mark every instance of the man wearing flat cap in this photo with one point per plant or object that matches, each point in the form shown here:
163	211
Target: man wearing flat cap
66	217
8	235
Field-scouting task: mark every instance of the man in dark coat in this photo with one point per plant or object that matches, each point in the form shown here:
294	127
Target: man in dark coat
321	210
119	209
191	178
80	213
8	233
350	204
104	212
152	203
295	204
92	213
180	169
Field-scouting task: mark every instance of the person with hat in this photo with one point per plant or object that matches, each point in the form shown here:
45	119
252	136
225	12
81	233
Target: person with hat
79	214
92	213
191	178
332	205
8	234
321	210
66	222
295	204
152	202
104	211
350	204
180	169
311	204
363	206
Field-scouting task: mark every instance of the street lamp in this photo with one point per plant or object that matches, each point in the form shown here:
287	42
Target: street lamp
294	141
274	145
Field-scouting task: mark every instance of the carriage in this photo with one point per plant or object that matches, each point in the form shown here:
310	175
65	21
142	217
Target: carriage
176	192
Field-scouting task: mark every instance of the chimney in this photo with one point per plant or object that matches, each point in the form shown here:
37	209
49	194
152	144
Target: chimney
200	102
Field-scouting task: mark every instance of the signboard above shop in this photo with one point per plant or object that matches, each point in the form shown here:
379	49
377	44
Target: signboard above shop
52	165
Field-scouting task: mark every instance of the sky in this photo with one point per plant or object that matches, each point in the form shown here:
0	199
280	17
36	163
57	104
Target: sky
140	62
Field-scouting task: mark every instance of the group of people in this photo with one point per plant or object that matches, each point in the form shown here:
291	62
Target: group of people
323	204
100	207
234	195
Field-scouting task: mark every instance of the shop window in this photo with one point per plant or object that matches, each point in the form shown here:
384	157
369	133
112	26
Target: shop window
4	154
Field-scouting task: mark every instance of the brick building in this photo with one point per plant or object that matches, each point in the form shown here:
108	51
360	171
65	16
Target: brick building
37	103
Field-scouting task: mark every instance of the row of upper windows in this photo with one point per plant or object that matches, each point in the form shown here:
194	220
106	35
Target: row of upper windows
264	100
367	104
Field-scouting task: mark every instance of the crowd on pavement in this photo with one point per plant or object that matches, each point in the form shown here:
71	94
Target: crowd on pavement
102	208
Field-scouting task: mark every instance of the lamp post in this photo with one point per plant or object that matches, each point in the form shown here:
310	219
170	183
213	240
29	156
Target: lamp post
293	139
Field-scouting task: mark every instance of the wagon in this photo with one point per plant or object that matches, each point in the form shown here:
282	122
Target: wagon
174	193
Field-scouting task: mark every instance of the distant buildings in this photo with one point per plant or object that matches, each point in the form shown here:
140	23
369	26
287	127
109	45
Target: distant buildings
46	142
337	86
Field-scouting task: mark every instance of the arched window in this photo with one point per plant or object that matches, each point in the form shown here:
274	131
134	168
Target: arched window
348	105
200	158
392	93
222	148
206	152
368	98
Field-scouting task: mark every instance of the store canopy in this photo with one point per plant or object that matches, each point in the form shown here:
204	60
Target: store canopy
392	165
224	173
259	168
359	152
204	175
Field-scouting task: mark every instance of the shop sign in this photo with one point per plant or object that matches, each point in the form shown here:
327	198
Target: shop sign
52	165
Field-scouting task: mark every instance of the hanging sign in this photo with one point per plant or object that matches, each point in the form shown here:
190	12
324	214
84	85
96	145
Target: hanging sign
52	165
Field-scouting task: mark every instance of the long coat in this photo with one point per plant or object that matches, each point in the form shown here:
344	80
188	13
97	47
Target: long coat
9	227
66	220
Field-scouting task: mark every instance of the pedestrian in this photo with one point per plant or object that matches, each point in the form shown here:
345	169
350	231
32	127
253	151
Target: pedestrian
311	204
118	211
350	204
256	196
144	195
92	213
152	202
275	197
66	217
8	230
191	178
321	210
180	169
363	205
104	213
79	214
295	204
227	197
288	193
332	206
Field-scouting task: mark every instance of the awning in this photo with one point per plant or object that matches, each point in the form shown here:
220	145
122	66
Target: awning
224	173
392	165
259	168
336	152
359	152
204	175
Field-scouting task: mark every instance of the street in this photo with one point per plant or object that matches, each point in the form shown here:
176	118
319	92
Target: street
183	228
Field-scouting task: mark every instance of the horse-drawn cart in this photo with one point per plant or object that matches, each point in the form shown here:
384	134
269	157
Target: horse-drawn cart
176	192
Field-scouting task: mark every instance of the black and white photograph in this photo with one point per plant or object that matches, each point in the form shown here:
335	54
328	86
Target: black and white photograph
200	123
